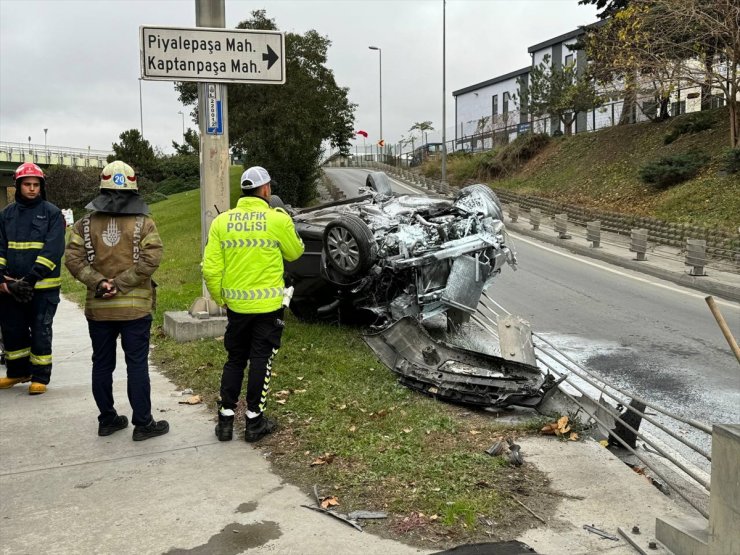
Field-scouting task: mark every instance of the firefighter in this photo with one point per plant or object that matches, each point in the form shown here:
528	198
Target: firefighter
243	271
114	251
31	248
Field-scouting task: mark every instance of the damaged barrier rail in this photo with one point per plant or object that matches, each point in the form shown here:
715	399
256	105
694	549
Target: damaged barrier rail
569	364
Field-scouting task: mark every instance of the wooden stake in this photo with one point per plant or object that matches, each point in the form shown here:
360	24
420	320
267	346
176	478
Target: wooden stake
723	326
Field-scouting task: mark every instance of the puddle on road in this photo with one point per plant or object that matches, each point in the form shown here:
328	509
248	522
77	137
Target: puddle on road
235	538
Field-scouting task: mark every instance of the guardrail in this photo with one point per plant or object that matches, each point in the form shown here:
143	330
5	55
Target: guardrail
52	155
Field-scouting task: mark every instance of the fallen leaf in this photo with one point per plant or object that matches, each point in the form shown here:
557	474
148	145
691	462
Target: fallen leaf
326	458
194	400
342	407
549	428
408	430
299	378
282	393
573	436
281	401
300	391
352	428
330	501
474	432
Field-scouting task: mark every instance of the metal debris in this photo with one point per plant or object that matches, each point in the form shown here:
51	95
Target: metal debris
601	533
367	515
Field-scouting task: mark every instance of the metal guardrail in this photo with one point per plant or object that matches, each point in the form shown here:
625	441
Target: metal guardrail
52	155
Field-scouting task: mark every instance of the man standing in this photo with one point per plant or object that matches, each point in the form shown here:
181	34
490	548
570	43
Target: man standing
31	248
114	251
243	270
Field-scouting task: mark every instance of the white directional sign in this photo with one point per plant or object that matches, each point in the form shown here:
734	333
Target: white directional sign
212	55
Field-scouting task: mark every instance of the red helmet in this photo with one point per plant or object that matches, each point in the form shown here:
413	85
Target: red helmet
29	169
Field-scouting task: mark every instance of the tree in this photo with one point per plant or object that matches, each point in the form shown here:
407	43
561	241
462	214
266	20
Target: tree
422	127
283	127
190	145
136	151
608	7
558	92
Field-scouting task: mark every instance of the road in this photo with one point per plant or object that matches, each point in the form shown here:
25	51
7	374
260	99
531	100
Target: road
644	334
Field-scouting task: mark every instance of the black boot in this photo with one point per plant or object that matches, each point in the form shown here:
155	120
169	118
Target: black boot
225	427
259	427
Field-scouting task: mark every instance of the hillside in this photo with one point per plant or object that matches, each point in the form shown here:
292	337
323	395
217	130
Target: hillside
600	170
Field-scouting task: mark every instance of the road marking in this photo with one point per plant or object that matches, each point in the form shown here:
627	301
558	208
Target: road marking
415	191
620	272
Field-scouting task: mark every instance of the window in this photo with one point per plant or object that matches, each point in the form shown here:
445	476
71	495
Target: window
569	60
650	109
717	100
494	105
506	103
678	108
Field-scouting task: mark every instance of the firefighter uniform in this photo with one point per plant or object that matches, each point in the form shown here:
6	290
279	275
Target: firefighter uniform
31	249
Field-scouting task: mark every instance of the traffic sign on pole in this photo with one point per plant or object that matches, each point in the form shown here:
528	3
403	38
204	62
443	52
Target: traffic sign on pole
212	55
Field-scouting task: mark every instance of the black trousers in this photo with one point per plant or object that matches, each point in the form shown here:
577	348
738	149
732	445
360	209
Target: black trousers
27	333
135	343
253	339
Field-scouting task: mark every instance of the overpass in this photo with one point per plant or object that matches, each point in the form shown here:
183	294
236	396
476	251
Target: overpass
13	155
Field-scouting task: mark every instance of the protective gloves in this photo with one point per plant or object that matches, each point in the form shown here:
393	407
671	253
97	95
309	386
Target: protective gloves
21	291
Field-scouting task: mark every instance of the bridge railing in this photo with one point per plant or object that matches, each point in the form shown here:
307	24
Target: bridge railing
52	155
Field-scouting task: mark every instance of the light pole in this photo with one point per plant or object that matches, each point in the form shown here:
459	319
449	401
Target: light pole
141	110
46	129
183	126
444	95
380	80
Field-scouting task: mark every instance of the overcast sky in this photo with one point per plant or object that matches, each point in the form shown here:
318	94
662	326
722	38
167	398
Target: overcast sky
72	65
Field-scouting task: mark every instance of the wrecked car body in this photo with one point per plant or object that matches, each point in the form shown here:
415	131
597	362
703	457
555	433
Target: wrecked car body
379	257
395	262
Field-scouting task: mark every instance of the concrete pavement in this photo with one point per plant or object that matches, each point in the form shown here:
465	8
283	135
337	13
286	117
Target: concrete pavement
63	489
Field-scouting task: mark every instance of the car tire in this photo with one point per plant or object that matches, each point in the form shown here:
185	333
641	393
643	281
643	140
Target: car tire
378	182
349	245
484	190
276	202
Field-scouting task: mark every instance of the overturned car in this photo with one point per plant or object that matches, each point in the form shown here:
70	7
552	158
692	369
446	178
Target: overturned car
379	257
395	262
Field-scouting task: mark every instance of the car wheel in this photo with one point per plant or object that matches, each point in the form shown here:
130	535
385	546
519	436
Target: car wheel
486	191
276	202
379	183
349	245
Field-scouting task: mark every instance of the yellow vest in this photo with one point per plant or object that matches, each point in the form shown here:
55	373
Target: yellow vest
243	259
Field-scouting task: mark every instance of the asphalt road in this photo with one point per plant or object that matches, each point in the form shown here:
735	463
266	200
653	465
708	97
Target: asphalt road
644	334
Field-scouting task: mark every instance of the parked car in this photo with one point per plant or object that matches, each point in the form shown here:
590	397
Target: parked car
381	256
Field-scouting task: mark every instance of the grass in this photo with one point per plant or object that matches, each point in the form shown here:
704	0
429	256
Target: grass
601	170
391	449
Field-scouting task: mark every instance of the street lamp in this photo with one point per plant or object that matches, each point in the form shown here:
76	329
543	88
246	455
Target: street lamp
380	79
183	126
444	92
141	110
46	129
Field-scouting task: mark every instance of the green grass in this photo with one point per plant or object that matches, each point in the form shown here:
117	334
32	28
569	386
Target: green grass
601	170
394	450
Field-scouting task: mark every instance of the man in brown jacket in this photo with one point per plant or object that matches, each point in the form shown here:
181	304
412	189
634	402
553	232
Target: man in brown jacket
114	251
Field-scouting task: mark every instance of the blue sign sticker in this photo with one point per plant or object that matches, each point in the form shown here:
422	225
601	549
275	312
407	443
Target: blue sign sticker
119	179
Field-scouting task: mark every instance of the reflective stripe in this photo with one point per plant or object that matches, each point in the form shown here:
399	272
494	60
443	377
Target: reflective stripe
24	246
48	283
46	262
3	262
266	386
252	294
241	243
40	360
15	355
136	298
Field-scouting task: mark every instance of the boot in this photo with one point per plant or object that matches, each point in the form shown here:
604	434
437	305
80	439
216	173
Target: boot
118	423
225	426
153	429
6	383
259	427
36	388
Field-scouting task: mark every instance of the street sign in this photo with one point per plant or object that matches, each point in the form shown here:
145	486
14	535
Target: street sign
214	111
381	142
212	55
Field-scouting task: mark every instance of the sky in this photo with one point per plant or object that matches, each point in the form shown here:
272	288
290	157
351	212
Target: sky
72	66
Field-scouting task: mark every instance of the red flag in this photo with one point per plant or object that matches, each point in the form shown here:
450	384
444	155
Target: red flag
361	132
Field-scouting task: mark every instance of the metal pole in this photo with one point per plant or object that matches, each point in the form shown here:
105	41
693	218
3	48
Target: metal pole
45	131
444	95
141	110
214	148
183	126
380	82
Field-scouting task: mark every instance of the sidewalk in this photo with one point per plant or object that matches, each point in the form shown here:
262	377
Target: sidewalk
63	489
663	261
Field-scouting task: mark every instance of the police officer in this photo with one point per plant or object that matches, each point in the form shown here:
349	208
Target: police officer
31	248
114	251
243	270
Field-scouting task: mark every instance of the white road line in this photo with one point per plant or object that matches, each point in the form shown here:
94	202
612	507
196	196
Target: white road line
415	191
620	272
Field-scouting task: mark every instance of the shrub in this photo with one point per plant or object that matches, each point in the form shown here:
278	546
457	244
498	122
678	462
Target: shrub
671	170
692	123
172	185
731	160
71	187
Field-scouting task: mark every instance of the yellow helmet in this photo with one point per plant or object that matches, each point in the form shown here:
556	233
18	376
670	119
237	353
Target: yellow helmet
118	176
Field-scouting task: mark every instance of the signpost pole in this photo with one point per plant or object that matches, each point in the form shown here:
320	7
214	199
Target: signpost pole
214	145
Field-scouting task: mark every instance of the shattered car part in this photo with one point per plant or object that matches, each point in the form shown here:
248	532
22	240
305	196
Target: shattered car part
454	374
390	256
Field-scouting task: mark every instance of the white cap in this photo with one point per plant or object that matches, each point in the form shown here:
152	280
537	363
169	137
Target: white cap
254	177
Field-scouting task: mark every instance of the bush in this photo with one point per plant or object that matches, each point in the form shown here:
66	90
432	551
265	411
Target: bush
71	187
671	170
692	123
173	185
731	160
